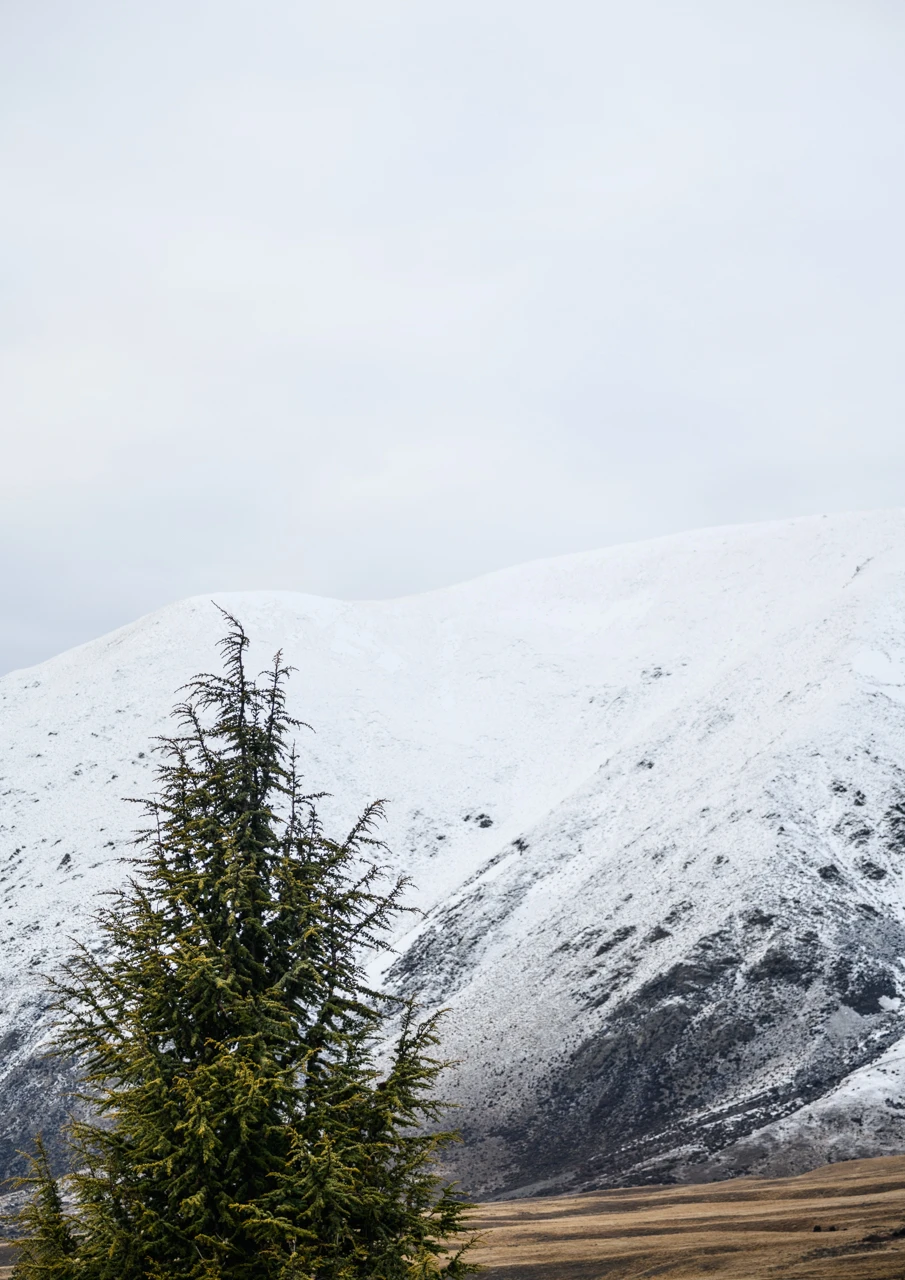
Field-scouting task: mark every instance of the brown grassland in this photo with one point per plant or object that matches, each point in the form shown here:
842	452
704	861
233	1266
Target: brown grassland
744	1229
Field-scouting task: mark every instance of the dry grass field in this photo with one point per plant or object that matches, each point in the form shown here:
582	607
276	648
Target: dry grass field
842	1222
746	1229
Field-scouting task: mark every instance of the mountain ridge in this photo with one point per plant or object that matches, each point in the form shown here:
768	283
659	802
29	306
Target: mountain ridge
653	801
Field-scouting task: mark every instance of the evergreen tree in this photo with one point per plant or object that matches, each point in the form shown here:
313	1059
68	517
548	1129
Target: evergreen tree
227	1037
49	1246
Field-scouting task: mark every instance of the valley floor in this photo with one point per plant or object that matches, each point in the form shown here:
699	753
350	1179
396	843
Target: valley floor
745	1229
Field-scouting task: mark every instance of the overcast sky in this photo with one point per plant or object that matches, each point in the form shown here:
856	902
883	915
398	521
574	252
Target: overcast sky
363	297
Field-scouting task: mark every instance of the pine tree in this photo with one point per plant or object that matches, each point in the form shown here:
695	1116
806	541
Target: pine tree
227	1036
48	1249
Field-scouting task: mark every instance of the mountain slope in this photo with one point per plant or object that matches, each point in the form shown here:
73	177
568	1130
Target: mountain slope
653	800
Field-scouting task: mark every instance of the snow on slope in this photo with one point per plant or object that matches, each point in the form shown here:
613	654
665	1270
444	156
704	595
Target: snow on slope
653	800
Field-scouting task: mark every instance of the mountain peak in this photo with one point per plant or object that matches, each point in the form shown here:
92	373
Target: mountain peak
653	800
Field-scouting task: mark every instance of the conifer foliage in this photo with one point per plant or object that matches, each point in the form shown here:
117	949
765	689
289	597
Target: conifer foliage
227	1037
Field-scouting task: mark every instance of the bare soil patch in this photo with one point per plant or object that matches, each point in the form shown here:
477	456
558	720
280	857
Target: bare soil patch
744	1229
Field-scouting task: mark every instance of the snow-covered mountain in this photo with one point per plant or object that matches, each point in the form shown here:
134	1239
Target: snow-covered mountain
653	799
